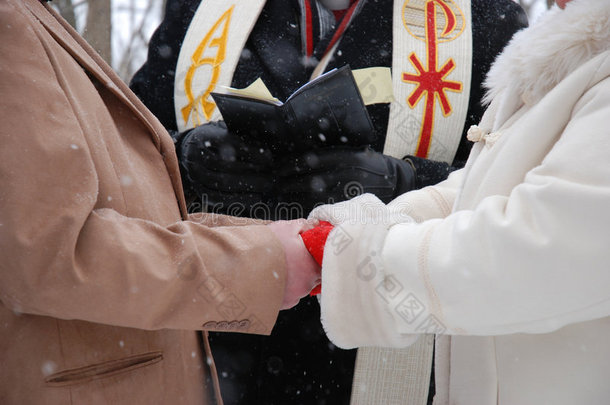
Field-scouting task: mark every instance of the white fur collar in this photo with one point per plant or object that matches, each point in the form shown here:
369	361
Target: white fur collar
541	56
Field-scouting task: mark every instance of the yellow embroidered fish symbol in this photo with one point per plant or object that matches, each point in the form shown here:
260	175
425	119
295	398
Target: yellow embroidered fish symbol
215	38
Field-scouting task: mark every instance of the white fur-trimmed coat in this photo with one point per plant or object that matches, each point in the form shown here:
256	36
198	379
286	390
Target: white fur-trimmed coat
509	259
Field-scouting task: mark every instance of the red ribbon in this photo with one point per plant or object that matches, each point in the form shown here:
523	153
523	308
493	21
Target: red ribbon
314	240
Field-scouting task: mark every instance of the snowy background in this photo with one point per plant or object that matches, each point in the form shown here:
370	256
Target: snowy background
133	23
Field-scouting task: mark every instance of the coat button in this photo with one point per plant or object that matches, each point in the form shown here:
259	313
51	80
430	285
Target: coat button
475	133
492	138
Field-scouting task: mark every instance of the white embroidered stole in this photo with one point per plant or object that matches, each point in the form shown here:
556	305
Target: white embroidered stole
208	57
431	74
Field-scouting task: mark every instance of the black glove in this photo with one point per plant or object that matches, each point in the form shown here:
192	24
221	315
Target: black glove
223	171
335	174
430	172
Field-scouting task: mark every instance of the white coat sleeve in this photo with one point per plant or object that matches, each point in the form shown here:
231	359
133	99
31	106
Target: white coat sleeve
430	202
529	262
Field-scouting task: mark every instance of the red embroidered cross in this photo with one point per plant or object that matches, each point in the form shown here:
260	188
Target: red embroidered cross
431	82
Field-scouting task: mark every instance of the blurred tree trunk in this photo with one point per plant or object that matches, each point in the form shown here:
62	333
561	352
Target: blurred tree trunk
66	9
138	38
97	29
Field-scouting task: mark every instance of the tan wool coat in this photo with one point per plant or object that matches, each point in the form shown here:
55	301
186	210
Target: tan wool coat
104	278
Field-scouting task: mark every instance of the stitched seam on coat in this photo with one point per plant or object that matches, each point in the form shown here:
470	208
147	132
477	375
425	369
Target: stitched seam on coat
590	83
440	201
63	357
422	262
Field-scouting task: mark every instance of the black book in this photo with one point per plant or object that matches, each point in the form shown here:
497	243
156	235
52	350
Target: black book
326	111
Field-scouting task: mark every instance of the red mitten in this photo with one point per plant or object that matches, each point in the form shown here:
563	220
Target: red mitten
314	240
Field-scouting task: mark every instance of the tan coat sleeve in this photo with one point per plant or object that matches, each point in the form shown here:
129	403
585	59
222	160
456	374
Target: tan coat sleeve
66	255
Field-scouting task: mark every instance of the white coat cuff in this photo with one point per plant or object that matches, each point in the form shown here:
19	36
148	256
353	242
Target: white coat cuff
354	311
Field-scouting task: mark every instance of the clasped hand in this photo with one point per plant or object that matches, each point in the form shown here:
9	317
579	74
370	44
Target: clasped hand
302	271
